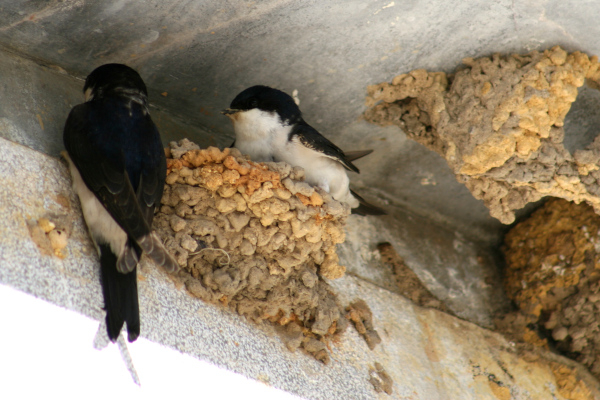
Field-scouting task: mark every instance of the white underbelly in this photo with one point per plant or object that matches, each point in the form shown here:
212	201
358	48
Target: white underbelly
102	227
255	131
259	150
320	171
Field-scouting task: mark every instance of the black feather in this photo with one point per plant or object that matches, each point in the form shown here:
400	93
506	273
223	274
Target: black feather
110	79
120	297
270	100
311	138
117	155
365	208
355	155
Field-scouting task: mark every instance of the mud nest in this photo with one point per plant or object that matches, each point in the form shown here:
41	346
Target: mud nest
498	122
256	238
553	275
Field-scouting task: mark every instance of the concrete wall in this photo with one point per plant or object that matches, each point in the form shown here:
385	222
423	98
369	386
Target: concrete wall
428	354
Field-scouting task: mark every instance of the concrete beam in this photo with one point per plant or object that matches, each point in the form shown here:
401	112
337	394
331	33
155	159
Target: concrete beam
428	354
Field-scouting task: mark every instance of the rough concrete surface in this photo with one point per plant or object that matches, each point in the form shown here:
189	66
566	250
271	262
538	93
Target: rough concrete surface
457	271
427	354
407	283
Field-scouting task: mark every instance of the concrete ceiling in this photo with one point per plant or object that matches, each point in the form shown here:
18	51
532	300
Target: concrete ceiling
195	56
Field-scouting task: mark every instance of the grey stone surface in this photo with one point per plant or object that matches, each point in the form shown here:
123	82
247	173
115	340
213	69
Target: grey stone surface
457	271
581	123
27	117
196	56
428	354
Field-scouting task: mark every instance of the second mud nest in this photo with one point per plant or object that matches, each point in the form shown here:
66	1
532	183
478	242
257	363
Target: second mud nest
498	122
553	275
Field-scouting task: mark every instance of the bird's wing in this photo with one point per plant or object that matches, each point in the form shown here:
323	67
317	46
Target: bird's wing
355	155
101	164
312	139
128	183
150	189
149	192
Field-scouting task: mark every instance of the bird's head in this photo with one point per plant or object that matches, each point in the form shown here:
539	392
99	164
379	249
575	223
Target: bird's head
115	79
263	102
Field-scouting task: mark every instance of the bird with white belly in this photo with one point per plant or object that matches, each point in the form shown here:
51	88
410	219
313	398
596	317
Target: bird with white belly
269	126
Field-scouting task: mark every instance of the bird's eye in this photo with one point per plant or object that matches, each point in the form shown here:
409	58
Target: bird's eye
254	103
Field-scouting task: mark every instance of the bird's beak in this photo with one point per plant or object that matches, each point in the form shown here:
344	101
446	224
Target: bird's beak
229	111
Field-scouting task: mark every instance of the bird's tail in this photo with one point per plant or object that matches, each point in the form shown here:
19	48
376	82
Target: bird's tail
153	247
355	155
120	296
365	208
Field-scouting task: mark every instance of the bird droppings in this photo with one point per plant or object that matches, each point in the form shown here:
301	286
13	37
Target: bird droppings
498	122
553	276
256	238
408	283
380	379
49	238
361	316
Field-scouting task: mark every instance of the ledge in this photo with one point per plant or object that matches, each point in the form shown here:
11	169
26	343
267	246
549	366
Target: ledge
428	354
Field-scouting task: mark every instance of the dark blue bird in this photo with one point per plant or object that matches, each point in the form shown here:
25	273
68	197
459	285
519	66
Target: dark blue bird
118	167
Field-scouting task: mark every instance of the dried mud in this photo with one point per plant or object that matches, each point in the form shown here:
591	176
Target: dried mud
256	238
553	276
380	379
362	318
498	122
569	385
50	235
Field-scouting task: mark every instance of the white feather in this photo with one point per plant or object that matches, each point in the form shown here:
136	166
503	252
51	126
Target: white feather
264	137
103	228
319	170
254	133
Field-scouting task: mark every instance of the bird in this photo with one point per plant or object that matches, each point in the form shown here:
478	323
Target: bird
269	126
118	168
